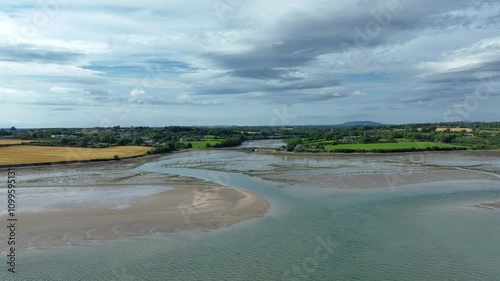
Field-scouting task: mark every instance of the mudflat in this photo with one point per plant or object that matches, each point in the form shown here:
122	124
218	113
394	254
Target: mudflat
192	204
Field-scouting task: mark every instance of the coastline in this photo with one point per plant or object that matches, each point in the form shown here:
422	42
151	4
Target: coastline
269	151
192	204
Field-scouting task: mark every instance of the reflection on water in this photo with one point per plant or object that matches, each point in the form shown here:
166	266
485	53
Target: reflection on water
422	232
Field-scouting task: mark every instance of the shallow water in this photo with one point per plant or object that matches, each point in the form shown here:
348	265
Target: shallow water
99	197
420	232
272	143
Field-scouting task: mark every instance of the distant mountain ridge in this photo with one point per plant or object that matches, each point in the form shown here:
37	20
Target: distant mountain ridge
359	123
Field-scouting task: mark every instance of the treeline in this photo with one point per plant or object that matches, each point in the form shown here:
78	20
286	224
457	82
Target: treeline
484	135
163	140
230	142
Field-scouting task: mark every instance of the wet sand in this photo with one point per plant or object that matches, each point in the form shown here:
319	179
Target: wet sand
186	207
379	170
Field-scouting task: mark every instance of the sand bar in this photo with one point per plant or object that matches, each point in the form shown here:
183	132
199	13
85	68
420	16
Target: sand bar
186	207
491	206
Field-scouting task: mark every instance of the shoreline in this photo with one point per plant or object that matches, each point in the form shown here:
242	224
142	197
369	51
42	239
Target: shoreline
263	150
377	154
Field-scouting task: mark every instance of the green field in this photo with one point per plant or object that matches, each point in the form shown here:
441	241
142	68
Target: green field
389	146
403	140
490	131
201	144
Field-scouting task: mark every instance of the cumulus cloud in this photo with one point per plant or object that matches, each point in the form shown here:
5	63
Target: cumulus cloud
137	95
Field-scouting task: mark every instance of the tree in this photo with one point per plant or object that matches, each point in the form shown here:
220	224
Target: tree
83	142
290	146
64	141
138	141
123	141
12	128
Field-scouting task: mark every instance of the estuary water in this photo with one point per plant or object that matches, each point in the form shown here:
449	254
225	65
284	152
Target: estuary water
420	232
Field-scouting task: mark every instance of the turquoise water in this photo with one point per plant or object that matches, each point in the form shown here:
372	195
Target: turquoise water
421	232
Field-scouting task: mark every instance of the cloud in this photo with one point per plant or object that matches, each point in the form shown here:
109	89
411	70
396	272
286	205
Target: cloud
9	95
65	90
484	54
137	96
28	69
189	99
62	109
460	73
358	93
315	54
137	93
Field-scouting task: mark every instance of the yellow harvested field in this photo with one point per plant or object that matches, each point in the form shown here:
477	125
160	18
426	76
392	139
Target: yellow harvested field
28	154
7	141
454	130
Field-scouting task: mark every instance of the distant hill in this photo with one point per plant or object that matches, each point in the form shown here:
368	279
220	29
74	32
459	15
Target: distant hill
359	123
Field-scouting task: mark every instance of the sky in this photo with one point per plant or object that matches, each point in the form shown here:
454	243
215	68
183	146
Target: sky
88	63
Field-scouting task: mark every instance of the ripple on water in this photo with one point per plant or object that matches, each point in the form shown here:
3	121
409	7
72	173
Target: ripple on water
423	232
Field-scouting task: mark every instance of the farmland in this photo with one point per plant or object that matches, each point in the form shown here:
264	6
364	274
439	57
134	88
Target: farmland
209	141
372	137
10	141
201	144
26	154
